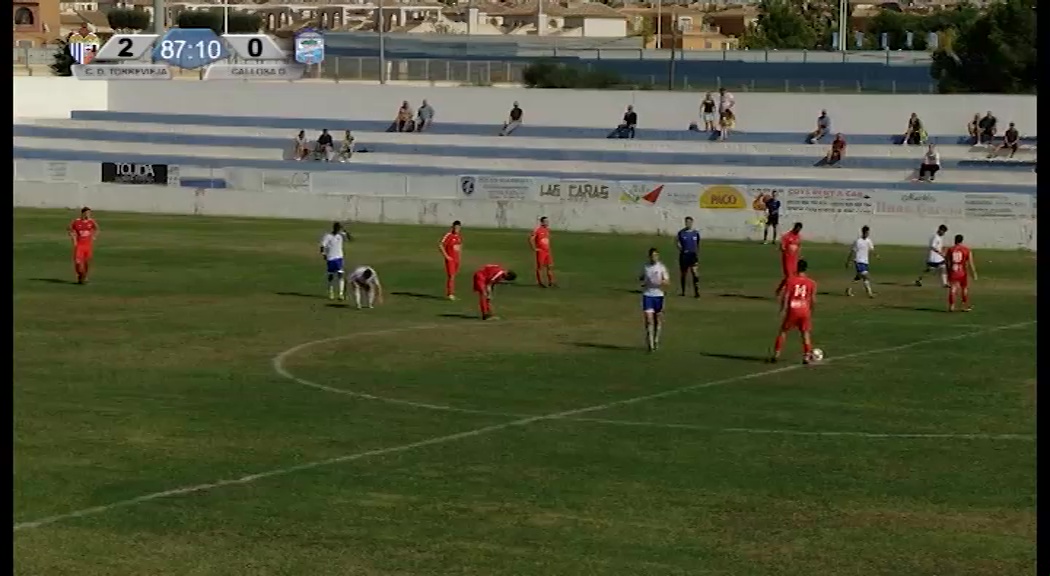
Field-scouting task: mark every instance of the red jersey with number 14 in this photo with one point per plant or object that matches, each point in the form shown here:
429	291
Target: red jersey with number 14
958	257
84	231
798	293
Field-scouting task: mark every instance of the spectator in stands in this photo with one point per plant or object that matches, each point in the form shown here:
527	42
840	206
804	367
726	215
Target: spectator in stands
726	123
403	120
425	116
301	149
837	151
726	101
513	120
823	128
988	128
707	113
915	134
325	149
346	149
931	163
974	129
1011	140
627	127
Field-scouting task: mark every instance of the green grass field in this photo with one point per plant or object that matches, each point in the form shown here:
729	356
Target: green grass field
155	435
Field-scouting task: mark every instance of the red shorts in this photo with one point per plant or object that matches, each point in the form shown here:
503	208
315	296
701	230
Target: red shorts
801	321
962	280
82	252
544	258
451	267
790	267
479	282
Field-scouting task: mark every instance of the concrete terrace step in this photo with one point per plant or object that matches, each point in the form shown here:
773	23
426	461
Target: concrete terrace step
340	124
530	165
555	154
831	177
518	143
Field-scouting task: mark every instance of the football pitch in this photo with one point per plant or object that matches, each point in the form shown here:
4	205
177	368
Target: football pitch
202	409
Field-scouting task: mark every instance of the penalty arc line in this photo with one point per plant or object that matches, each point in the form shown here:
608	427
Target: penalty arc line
187	490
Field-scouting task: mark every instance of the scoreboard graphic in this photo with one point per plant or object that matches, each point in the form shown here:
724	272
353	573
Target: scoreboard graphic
227	57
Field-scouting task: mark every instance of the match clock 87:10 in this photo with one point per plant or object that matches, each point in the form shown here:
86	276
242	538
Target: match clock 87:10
190	48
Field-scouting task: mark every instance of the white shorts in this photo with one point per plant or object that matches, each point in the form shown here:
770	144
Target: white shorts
709	117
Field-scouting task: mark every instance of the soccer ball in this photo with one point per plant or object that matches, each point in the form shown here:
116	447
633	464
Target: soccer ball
816	355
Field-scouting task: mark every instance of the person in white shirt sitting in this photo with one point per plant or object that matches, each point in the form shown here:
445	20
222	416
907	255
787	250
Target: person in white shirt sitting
301	150
346	149
931	163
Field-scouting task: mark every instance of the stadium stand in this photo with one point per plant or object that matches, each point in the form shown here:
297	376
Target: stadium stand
757	158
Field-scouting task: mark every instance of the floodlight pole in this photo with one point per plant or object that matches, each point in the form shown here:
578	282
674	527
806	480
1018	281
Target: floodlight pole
382	44
159	17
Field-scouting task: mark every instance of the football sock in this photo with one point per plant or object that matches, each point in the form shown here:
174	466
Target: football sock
682	282
357	296
539	277
659	326
944	278
696	285
867	286
649	334
450	285
807	347
550	277
951	298
778	345
342	287
371	297
966	297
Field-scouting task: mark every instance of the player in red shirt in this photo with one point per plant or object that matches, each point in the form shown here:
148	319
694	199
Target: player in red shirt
540	241
797	304
485	279
83	232
960	270
451	245
790	252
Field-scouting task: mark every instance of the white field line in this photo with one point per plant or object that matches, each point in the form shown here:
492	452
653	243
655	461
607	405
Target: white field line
448	438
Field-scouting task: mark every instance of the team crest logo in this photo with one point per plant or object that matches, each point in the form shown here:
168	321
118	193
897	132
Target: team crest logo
309	47
83	45
467	184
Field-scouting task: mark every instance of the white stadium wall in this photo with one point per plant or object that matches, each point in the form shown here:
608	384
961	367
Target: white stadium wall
55	97
1005	221
762	112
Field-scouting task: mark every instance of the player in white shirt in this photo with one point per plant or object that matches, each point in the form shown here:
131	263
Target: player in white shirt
332	252
860	256
365	279
654	278
935	258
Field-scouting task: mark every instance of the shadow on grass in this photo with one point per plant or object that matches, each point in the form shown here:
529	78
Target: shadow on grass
419	295
741	357
916	308
744	296
459	316
299	294
600	346
53	281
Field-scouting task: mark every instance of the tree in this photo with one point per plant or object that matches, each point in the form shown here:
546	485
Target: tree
63	60
781	25
996	54
551	74
237	22
122	19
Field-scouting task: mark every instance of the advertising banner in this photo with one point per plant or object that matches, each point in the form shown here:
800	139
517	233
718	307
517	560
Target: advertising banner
299	181
578	190
725	197
954	204
801	201
498	187
130	173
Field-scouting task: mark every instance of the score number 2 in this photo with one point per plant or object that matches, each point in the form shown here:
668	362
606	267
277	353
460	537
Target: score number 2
126	47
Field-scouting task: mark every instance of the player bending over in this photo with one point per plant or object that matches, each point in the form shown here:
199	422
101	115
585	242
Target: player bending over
540	241
797	305
790	251
960	270
451	246
83	232
485	280
688	243
654	278
332	252
364	279
935	259
859	256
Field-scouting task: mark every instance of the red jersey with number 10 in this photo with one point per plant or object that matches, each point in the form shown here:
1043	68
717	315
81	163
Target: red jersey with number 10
958	257
799	292
84	230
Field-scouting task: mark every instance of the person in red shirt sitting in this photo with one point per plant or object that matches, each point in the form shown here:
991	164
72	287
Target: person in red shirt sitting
485	280
796	306
83	232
